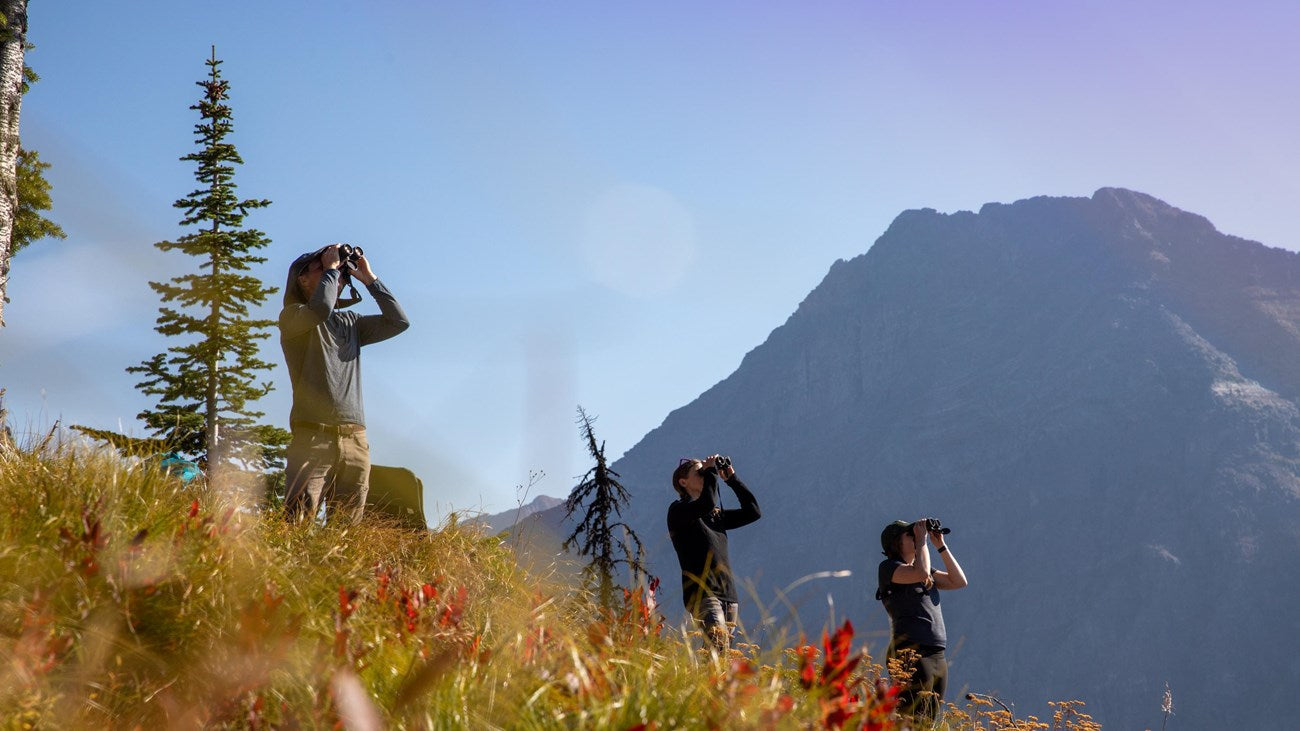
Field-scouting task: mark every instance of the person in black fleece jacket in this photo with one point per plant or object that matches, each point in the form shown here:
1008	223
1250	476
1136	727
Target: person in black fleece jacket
698	525
329	457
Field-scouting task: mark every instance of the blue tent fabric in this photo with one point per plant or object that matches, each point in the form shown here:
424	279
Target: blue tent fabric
176	465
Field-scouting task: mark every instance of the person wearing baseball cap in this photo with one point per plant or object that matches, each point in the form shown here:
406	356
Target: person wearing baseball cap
329	456
909	588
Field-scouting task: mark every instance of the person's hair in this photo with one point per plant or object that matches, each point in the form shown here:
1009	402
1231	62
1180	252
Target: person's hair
682	472
891	539
896	546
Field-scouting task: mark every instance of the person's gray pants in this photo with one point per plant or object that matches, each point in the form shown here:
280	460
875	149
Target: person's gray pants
718	620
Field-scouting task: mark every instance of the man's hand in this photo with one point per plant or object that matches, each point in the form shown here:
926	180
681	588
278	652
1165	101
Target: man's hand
363	272
329	259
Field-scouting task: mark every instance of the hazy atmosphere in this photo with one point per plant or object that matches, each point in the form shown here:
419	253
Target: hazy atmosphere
588	203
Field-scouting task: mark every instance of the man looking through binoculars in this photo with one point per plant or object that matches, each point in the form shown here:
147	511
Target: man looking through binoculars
329	456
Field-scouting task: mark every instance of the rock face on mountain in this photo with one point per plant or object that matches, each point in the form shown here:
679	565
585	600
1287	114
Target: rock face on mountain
1099	395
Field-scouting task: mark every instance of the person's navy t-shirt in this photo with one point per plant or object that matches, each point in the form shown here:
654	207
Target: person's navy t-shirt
914	613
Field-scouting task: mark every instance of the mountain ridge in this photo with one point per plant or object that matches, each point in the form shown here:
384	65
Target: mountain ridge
1077	373
1099	395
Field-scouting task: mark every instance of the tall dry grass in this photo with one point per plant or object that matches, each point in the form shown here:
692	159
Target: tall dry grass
130	600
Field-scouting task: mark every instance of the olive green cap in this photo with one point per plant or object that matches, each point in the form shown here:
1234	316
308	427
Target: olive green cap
890	534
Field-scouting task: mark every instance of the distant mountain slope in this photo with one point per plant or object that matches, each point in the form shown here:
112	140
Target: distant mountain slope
507	519
1099	395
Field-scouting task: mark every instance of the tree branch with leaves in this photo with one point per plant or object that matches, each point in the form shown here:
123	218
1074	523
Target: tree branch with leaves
13	81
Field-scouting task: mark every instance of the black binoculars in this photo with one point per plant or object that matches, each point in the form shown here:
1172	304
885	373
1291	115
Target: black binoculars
350	255
932	526
720	463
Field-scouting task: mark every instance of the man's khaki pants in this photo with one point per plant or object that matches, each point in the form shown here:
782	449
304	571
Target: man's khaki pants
327	466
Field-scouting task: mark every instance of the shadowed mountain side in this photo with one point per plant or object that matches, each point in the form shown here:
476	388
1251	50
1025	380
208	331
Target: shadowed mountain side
1096	394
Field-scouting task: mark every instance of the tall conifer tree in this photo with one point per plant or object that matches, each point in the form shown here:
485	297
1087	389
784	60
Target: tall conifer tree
206	387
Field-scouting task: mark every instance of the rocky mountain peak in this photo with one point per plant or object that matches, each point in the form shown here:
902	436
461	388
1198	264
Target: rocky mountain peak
1098	394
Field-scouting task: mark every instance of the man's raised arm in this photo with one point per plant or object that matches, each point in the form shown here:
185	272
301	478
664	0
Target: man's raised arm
391	319
298	319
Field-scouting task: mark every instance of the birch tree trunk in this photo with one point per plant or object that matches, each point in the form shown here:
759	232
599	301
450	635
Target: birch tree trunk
13	39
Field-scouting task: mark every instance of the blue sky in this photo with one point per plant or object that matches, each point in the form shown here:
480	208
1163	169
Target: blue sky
595	203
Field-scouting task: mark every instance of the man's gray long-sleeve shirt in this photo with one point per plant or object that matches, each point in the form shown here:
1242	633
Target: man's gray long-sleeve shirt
322	348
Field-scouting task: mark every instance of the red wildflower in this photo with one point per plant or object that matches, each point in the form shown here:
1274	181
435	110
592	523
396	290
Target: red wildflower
455	608
535	643
807	668
93	539
839	665
839	710
743	669
473	650
880	712
347	602
408	610
838	705
347	605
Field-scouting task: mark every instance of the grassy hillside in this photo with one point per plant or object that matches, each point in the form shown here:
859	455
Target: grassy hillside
129	600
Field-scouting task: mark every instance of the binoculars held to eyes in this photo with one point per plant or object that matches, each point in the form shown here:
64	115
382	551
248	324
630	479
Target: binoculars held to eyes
350	255
721	463
932	525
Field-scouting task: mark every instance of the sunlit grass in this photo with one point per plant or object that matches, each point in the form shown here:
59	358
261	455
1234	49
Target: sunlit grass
130	600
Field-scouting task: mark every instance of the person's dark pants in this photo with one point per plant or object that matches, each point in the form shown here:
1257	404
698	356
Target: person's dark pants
330	464
922	697
717	618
